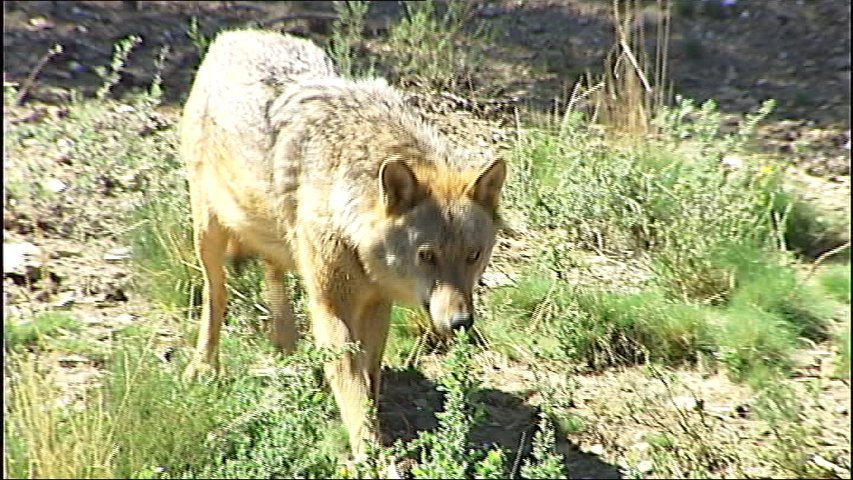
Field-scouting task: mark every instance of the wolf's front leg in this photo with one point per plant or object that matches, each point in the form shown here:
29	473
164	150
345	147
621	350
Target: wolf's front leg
348	375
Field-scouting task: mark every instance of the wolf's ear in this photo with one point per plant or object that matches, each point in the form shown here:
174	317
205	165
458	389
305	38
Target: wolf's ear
486	189
398	185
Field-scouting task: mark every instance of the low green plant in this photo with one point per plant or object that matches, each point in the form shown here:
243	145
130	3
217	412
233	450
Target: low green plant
835	281
755	344
40	439
164	255
405	337
544	462
197	37
155	91
445	452
145	422
288	427
778	405
346	34
434	49
33	332
112	74
754	334
773	287
671	197
597	328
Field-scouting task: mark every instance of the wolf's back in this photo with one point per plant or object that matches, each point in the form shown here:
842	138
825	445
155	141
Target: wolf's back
241	74
273	59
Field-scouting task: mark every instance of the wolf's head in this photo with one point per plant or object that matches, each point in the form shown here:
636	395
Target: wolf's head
435	237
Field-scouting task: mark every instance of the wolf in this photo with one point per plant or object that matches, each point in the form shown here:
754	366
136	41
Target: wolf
342	182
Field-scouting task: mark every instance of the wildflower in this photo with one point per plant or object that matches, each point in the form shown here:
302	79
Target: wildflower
765	170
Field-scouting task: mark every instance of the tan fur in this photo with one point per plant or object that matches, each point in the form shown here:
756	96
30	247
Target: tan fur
340	181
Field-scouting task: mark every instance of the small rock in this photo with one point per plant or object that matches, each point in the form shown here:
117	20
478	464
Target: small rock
489	11
645	466
124	109
65	300
840	63
641	446
116	294
77	67
731	162
117	254
495	279
66	252
40	23
17	256
597	449
829	466
54	185
124	319
688	403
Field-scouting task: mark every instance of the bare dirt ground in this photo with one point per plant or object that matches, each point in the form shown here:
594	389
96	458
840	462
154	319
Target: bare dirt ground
797	52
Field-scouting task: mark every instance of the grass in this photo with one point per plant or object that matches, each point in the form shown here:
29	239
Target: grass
835	281
346	36
434	49
112	74
843	364
128	428
34	332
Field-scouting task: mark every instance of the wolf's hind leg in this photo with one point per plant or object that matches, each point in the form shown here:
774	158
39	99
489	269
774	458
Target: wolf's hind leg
283	322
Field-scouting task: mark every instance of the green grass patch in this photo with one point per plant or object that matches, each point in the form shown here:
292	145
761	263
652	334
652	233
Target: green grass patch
163	252
404	337
669	196
35	331
146	422
755	344
754	333
843	363
550	319
835	281
772	286
434	46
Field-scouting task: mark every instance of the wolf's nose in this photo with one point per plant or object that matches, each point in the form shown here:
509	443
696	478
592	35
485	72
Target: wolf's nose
461	320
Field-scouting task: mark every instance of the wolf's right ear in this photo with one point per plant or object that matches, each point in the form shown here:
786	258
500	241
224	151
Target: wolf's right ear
486	189
398	185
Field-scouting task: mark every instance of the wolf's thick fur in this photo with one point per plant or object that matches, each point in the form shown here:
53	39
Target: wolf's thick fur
340	181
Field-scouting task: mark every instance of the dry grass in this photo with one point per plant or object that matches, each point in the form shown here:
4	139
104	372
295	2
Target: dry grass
633	87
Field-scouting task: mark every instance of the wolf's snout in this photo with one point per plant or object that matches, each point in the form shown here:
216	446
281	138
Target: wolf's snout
450	309
461	320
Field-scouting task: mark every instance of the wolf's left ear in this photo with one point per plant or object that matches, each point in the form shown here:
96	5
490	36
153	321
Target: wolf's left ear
486	189
398	185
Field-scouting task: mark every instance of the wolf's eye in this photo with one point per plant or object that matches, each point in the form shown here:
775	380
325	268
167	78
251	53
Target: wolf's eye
427	256
473	256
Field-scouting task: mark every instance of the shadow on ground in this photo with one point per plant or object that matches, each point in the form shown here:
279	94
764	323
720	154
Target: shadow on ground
409	401
737	55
